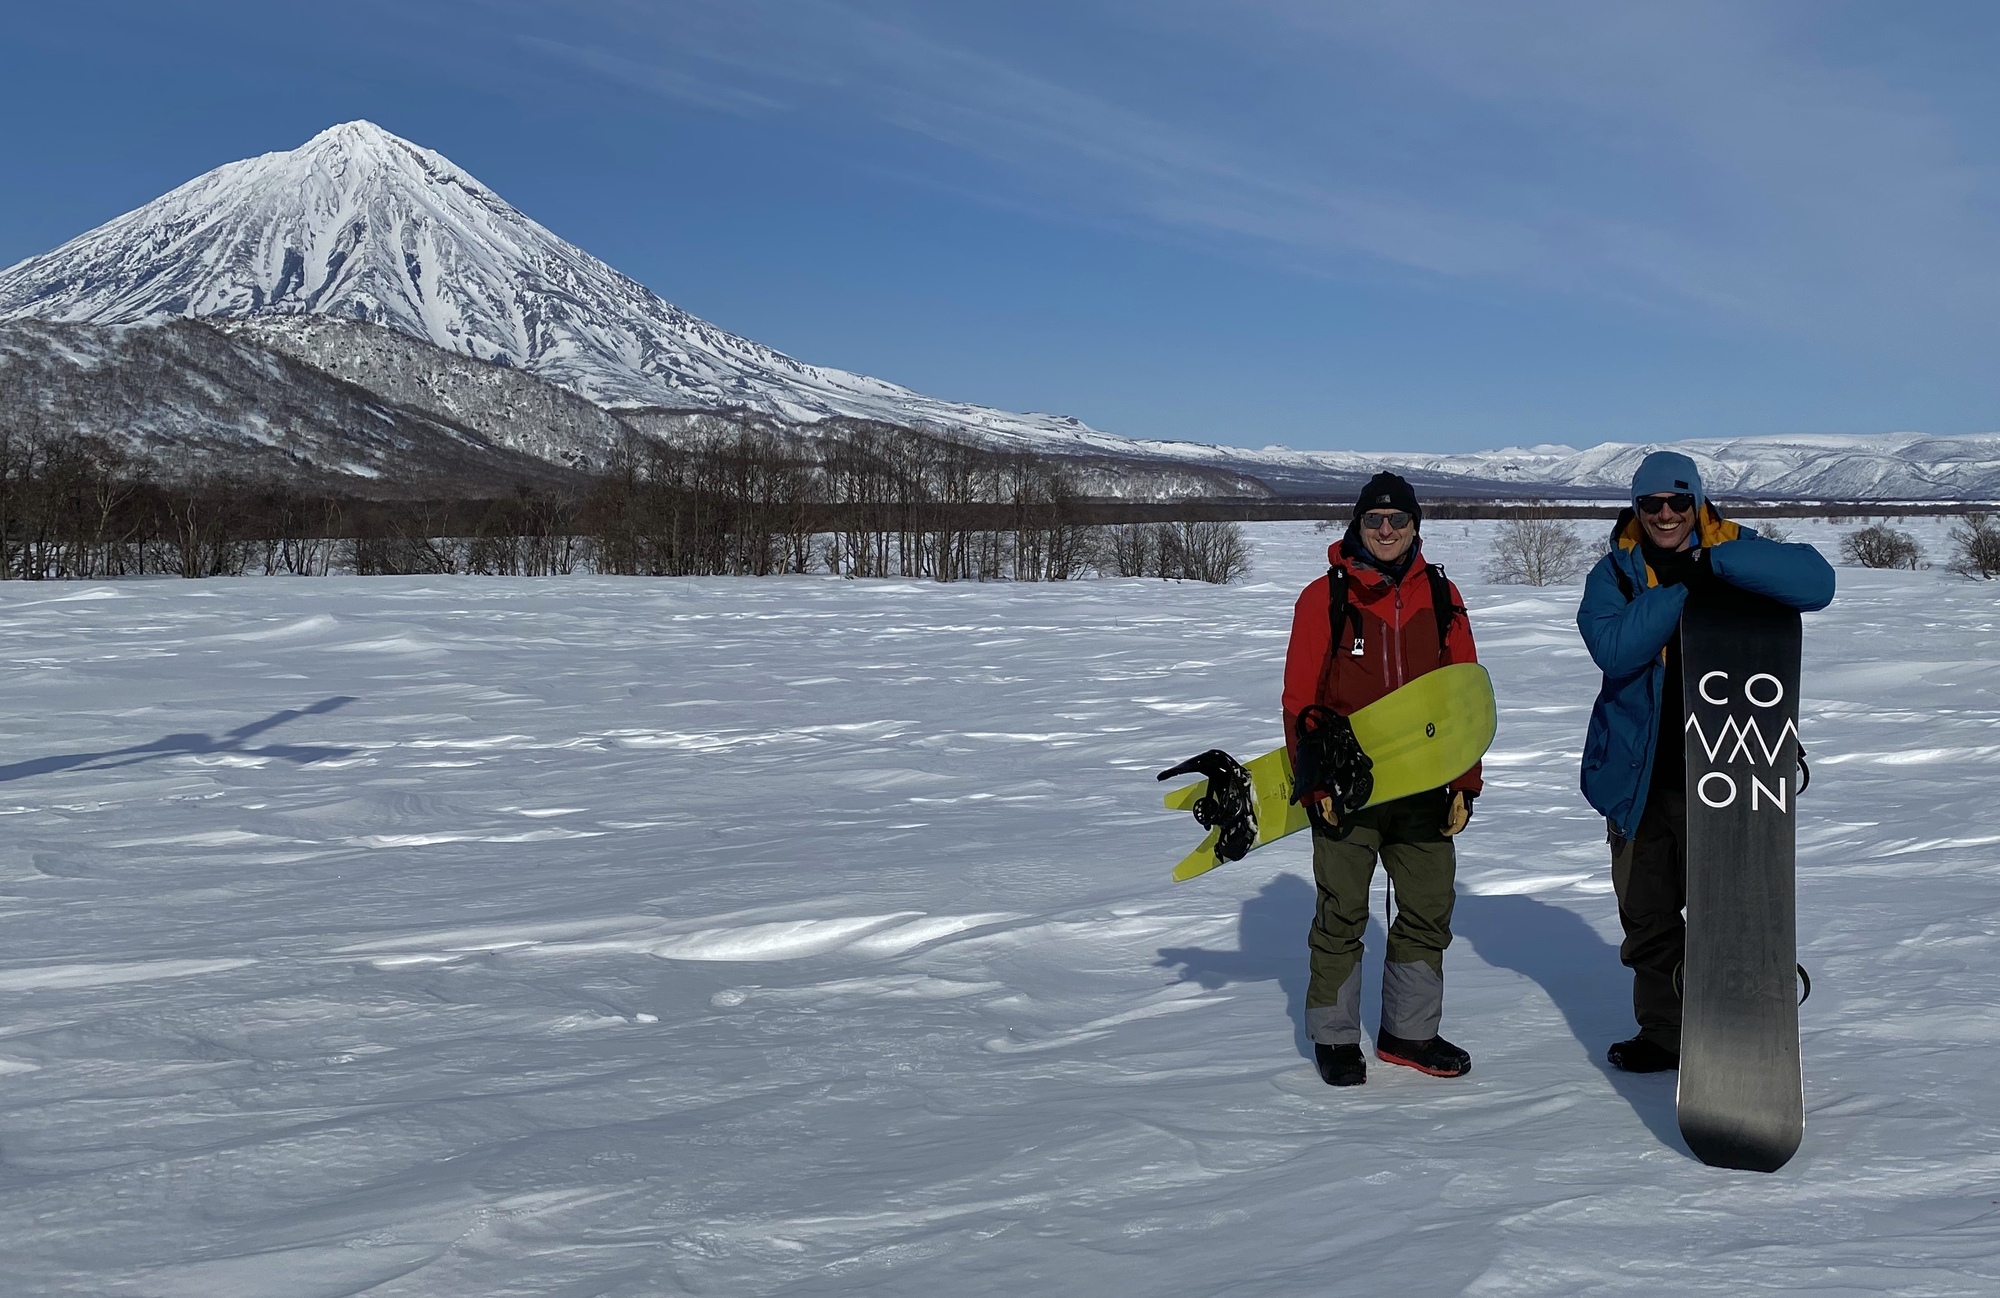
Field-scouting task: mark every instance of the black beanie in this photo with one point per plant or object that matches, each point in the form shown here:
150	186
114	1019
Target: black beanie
1388	491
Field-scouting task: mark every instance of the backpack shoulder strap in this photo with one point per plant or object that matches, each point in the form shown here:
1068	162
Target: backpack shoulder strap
1338	610
1443	608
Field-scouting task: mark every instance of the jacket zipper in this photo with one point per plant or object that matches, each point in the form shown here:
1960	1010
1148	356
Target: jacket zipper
1397	648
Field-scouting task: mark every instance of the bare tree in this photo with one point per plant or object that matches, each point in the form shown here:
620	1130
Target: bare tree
1976	546
205	517
1207	550
1128	549
1536	550
419	541
1881	546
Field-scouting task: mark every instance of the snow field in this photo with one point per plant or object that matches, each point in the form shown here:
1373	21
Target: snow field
607	936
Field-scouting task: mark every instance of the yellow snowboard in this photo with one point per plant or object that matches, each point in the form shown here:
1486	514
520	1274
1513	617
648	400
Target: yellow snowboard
1424	735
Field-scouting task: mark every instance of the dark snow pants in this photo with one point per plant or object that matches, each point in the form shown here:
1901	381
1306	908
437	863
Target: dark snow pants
1407	835
1649	872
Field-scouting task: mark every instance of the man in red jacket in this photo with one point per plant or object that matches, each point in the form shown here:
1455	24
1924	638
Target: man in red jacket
1379	619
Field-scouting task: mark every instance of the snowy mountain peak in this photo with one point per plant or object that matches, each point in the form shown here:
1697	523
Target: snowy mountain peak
360	224
363	139
359	156
337	226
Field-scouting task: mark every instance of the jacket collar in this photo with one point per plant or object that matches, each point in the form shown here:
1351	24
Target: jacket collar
1361	571
1711	528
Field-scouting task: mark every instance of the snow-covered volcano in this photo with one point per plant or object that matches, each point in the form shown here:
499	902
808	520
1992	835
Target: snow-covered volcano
359	224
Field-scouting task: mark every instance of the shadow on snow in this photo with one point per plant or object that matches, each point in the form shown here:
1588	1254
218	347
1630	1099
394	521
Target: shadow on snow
1579	970
1551	945
191	745
1270	947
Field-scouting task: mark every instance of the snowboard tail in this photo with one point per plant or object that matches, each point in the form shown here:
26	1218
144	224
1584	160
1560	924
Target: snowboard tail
1422	736
1741	1098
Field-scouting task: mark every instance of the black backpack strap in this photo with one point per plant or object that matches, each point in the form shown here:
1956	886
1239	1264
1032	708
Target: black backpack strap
1338	610
1624	582
1443	607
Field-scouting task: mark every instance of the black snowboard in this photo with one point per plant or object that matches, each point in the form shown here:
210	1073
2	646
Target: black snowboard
1741	1098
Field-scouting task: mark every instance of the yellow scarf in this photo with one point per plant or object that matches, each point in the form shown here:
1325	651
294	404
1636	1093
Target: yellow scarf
1714	529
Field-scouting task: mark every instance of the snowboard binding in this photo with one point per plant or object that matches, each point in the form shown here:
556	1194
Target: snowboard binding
1331	766
1227	807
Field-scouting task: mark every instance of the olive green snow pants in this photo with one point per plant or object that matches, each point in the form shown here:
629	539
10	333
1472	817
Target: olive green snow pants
1422	867
1649	873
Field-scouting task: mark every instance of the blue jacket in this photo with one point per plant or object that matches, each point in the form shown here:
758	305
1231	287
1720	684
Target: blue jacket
1627	637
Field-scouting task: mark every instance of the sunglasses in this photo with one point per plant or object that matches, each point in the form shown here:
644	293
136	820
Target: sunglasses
1680	502
1398	520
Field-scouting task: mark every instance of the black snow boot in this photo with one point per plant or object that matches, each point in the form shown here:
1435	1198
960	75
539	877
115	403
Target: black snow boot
1340	1065
1438	1057
1642	1055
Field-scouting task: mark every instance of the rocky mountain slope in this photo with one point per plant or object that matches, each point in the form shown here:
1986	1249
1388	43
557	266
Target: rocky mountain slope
191	397
416	292
358	224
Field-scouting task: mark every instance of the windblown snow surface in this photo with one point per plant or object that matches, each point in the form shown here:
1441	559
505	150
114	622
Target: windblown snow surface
606	936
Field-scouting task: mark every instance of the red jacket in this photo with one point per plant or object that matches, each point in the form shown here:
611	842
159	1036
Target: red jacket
1399	642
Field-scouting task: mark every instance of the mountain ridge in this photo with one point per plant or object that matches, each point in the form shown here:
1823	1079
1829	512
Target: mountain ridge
359	229
1795	467
360	224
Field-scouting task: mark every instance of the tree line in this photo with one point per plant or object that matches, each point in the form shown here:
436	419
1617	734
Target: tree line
721	498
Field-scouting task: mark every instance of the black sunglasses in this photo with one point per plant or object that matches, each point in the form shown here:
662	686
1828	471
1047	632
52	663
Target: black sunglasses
1398	520
1680	501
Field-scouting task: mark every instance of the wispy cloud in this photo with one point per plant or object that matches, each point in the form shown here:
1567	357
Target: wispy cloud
653	77
1696	157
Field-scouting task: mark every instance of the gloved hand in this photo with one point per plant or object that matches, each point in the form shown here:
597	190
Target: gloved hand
1691	568
1457	812
1671	567
1329	811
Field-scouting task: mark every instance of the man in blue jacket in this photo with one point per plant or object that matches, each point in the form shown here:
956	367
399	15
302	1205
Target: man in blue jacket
1671	540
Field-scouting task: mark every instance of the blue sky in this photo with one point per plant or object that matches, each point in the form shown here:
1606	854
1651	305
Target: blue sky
1414	225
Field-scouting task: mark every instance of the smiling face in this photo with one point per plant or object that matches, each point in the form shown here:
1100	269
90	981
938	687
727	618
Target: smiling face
1670	528
1384	539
